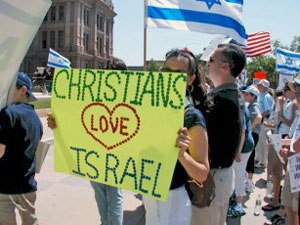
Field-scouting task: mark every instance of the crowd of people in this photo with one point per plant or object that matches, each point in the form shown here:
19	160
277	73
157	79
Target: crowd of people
225	134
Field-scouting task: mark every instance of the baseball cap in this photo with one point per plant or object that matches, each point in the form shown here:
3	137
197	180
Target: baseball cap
253	90
264	82
24	80
243	87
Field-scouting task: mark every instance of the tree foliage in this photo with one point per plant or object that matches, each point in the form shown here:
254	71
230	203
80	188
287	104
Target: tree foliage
153	65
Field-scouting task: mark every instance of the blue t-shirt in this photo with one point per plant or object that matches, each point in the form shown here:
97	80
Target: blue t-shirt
20	131
249	142
192	118
266	102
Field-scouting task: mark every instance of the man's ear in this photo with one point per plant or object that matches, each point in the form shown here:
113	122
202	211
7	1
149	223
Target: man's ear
23	89
226	66
191	79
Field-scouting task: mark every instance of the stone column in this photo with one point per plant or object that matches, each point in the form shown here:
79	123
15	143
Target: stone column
67	46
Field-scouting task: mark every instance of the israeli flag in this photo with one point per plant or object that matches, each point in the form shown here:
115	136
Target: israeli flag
213	45
287	60
207	16
284	77
56	60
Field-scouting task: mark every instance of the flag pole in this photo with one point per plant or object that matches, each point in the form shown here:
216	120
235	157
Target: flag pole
145	34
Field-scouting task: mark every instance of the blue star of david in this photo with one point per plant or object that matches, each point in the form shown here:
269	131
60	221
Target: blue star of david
210	3
289	61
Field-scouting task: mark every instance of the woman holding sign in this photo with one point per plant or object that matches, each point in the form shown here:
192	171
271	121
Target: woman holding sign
192	142
291	200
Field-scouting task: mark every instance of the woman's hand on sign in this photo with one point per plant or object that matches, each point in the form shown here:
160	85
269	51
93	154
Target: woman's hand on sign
284	153
51	121
183	140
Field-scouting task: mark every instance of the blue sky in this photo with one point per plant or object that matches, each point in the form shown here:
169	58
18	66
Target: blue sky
280	18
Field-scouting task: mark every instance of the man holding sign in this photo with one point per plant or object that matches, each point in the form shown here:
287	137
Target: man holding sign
290	192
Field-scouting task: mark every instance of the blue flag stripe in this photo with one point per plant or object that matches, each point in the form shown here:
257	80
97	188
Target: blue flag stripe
286	73
57	65
59	56
289	54
197	17
241	2
292	68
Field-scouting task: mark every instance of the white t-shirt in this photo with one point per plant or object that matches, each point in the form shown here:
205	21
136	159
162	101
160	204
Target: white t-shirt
295	136
287	113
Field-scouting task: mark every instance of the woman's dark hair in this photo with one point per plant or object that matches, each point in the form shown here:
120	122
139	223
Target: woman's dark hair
197	91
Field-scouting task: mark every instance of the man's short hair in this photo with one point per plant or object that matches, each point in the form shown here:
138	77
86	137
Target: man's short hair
235	57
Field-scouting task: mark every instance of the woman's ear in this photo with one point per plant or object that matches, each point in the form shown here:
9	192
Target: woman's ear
191	79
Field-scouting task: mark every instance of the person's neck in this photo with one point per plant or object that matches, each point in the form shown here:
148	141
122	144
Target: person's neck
224	80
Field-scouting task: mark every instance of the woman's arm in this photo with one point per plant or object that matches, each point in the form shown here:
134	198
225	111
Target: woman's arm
258	118
2	150
51	121
290	121
196	161
296	145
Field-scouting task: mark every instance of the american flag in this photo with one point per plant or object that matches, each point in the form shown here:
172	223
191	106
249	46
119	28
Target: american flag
258	44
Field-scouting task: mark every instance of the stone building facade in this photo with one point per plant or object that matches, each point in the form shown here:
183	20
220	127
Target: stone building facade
80	30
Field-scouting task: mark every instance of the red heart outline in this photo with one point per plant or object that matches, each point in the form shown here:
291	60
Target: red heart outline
110	114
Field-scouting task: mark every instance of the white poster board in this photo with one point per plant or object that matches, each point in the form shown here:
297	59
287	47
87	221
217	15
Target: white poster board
294	171
276	141
20	20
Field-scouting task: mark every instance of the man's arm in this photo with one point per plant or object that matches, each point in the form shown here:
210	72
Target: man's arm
2	150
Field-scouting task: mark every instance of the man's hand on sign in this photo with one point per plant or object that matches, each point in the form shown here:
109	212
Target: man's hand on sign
51	121
183	140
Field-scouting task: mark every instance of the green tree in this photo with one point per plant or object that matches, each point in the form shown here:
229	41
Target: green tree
263	63
153	65
295	44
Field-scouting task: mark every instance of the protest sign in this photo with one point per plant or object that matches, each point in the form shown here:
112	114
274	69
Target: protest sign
19	24
276	141
294	171
119	127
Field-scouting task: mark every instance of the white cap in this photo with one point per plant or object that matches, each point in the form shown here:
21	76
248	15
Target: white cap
253	90
264	82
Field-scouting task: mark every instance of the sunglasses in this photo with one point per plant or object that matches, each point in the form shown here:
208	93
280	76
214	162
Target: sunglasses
166	69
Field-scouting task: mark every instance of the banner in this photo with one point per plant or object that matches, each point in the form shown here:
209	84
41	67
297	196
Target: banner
287	61
284	78
258	44
56	60
213	17
19	24
118	127
294	171
213	45
260	75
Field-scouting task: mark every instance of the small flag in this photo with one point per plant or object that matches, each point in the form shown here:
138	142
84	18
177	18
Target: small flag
56	60
208	16
287	61
284	77
213	45
258	44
